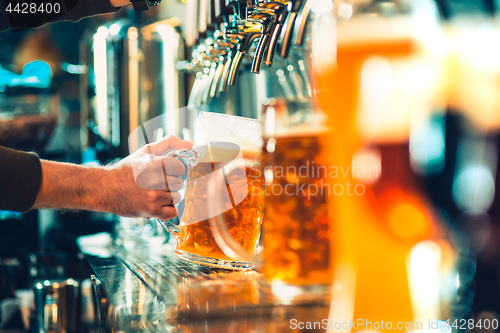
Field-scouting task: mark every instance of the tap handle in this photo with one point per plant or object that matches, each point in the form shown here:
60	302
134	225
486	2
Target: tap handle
225	74
259	53
214	88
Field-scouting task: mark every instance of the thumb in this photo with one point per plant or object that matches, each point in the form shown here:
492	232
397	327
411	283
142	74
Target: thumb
169	142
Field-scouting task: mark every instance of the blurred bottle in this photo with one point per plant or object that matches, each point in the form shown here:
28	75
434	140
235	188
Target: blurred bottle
383	84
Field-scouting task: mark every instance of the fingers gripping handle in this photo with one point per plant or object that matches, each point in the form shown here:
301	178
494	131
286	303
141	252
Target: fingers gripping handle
189	158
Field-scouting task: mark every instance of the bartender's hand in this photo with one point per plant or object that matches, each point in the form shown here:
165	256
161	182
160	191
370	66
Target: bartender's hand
144	184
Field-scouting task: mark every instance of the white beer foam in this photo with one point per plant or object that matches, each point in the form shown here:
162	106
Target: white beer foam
369	30
301	130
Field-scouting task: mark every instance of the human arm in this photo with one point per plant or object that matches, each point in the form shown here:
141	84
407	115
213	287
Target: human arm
118	188
114	189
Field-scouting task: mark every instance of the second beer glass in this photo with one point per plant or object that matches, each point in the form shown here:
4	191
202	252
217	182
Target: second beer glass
297	252
297	247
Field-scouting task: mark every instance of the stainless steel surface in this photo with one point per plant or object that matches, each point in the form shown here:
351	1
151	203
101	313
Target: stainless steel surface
161	84
110	88
134	76
154	293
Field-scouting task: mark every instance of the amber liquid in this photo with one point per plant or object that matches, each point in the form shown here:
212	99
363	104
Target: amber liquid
296	232
366	241
243	220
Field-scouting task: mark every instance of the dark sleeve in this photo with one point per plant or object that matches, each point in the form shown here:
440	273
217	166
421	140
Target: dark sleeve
20	179
4	20
71	10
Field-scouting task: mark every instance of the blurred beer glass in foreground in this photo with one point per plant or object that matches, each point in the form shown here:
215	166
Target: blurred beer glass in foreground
394	254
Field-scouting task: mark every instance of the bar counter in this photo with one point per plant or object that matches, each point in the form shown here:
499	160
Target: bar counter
145	292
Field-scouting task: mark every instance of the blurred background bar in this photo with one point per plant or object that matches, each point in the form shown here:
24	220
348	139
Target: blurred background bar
399	99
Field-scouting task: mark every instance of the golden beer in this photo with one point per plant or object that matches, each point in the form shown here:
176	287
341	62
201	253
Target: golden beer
243	220
296	229
381	80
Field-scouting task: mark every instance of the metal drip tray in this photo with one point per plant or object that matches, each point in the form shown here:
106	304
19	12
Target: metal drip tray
154	293
196	291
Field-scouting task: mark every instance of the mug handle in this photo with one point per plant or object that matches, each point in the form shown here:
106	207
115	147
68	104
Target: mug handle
223	238
189	158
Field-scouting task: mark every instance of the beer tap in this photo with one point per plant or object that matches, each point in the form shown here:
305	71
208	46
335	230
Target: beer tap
219	55
245	38
215	58
242	31
205	96
196	66
280	12
205	63
266	22
206	57
287	30
229	29
214	91
218	14
223	75
300	23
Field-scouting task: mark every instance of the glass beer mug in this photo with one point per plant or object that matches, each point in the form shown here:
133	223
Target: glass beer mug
297	251
235	165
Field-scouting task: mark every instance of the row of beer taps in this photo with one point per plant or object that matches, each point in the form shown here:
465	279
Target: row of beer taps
232	32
